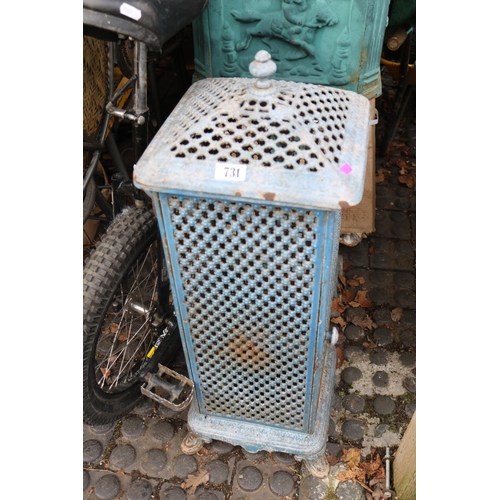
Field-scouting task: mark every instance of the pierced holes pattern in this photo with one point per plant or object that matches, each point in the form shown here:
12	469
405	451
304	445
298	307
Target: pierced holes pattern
247	280
308	123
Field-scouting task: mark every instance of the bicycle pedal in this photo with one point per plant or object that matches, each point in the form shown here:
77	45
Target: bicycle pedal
168	388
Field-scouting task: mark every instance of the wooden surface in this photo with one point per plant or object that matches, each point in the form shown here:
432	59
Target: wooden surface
405	464
360	219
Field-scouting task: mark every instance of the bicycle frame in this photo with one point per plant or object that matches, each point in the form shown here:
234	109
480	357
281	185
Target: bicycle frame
150	24
137	116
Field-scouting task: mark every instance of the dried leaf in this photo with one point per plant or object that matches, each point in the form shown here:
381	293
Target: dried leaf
111	328
356	281
382	174
351	457
203	451
408	179
370	344
194	480
396	314
402	164
364	323
332	460
338	321
342	280
340	359
105	373
353	304
123	337
337	305
364	486
347	296
346	265
378	492
354	474
403	148
362	300
372	467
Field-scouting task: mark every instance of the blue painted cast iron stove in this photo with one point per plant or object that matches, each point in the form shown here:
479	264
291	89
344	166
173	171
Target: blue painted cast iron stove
249	177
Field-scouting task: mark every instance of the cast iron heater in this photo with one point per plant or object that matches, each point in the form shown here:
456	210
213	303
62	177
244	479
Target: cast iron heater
249	177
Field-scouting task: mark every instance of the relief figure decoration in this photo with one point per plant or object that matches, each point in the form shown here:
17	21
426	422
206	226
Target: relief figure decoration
295	23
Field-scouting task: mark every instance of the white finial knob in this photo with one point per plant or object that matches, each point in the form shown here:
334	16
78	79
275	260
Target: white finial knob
261	68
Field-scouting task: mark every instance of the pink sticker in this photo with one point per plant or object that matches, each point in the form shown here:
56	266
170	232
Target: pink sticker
346	168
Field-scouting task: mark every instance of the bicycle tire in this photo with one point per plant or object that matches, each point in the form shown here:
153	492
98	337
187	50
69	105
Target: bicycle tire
125	57
121	278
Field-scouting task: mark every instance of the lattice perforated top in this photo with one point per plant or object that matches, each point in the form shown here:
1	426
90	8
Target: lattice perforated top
287	142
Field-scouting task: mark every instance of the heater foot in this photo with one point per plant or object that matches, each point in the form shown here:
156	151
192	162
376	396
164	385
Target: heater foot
192	444
318	467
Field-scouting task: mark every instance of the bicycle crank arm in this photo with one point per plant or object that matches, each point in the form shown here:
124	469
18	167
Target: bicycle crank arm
168	388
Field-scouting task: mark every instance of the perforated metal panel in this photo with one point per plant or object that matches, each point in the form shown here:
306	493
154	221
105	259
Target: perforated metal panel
267	132
247	273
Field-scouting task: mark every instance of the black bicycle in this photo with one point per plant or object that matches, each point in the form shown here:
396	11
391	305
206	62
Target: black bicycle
129	323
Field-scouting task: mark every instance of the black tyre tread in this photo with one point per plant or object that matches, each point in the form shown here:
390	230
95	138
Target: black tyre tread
118	249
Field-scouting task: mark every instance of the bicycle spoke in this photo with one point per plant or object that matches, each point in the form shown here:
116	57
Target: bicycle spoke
133	335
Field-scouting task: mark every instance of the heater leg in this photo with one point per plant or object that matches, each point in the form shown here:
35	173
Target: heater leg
317	466
192	443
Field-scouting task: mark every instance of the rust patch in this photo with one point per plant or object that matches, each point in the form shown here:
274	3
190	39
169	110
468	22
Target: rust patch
237	193
166	253
354	77
344	205
363	58
244	350
269	196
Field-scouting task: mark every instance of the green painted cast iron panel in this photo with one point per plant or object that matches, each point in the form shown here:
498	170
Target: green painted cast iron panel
327	42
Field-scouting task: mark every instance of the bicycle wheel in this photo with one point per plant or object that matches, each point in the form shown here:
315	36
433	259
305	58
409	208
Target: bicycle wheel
125	316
